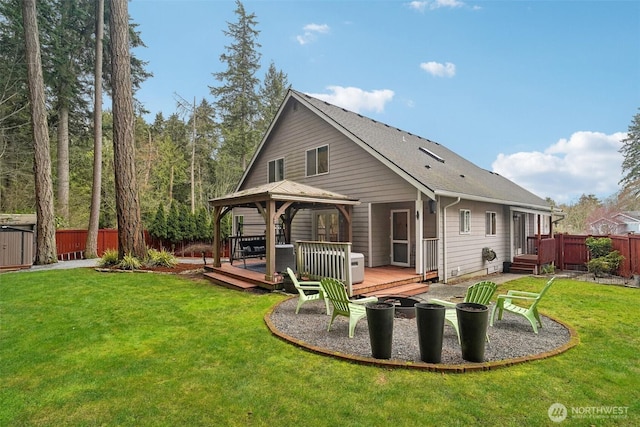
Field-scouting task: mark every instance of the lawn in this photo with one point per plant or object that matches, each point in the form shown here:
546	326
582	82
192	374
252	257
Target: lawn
78	347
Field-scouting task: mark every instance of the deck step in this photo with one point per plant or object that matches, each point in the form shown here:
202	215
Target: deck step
522	268
230	282
408	289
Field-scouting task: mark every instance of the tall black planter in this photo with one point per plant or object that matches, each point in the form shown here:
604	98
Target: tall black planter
380	321
430	320
473	320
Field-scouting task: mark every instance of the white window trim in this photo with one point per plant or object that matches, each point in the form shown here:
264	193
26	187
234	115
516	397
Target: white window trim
462	222
494	224
306	163
275	161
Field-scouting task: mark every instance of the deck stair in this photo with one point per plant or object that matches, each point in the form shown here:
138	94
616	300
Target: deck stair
238	282
405	287
524	264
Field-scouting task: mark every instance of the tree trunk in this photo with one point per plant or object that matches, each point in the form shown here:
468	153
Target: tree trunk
91	250
130	231
63	164
193	161
45	228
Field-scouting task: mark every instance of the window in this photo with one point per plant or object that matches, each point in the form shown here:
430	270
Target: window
465	221
318	161
326	226
238	223
491	224
276	170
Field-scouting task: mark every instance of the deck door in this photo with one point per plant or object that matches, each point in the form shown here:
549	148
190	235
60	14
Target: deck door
519	234
400	242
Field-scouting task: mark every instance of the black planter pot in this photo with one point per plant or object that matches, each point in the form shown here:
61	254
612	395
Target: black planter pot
430	320
380	321
473	320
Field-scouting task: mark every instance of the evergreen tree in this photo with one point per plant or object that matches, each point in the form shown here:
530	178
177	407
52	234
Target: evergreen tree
174	233
45	228
158	227
237	101
272	92
631	163
203	225
130	231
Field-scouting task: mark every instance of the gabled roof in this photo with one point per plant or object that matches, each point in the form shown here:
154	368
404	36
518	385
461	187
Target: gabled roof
628	217
430	167
283	191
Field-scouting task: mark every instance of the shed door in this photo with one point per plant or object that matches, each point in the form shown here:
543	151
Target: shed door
400	237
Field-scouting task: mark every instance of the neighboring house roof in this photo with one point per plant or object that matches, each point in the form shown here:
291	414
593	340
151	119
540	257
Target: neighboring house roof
631	217
283	191
432	168
618	219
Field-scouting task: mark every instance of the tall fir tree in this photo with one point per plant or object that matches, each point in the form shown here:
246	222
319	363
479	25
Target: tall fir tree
236	98
272	92
631	163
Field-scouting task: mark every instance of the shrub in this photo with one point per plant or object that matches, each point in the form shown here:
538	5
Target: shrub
109	258
599	247
129	262
161	258
607	264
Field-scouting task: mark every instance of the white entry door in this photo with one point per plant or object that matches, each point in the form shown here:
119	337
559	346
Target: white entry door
400	243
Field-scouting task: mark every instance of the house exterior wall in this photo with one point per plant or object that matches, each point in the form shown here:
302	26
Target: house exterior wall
464	250
352	172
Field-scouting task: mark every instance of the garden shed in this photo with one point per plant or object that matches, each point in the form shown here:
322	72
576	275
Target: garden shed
16	241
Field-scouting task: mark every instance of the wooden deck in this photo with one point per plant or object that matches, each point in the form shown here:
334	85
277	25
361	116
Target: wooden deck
378	281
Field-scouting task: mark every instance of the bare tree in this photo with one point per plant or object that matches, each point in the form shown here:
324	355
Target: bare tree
45	228
130	231
91	250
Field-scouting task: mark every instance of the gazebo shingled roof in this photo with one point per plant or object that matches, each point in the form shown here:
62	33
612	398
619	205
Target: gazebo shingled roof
275	200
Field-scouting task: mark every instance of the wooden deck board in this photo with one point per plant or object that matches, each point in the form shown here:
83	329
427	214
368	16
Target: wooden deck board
379	281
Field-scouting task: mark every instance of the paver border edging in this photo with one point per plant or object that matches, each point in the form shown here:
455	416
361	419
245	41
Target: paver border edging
574	340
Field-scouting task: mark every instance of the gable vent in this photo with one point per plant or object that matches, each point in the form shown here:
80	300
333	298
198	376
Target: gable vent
432	154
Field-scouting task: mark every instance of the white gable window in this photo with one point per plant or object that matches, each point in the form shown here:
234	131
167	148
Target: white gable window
276	170
491	227
465	221
318	161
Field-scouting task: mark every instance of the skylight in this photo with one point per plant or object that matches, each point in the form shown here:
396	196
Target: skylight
432	154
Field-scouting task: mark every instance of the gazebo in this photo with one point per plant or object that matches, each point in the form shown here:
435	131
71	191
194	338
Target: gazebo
276	201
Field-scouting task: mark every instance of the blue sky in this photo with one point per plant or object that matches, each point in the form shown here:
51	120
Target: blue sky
541	92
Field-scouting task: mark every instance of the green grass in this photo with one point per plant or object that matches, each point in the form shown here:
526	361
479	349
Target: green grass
78	347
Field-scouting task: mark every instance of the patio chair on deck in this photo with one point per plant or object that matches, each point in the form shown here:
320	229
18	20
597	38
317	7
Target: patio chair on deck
505	302
309	291
479	293
342	305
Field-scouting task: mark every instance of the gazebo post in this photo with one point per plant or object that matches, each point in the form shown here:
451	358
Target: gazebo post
217	210
270	223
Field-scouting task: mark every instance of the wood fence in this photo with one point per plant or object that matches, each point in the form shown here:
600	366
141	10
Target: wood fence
71	244
572	252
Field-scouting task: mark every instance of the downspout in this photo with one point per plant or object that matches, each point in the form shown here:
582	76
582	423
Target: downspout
444	239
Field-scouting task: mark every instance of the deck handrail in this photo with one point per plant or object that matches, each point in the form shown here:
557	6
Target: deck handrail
430	254
317	260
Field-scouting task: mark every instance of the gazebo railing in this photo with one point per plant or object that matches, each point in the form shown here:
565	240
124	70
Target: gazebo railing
316	260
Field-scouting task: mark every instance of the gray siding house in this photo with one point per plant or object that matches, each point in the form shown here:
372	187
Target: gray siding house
421	205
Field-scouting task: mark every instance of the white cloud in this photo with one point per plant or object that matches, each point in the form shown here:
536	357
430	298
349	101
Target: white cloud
439	70
586	163
421	6
356	99
311	32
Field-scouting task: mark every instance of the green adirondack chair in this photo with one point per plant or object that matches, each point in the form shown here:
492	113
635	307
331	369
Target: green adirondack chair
304	289
342	305
479	293
505	302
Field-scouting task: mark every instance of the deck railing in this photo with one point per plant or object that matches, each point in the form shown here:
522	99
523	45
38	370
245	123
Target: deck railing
430	253
317	260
